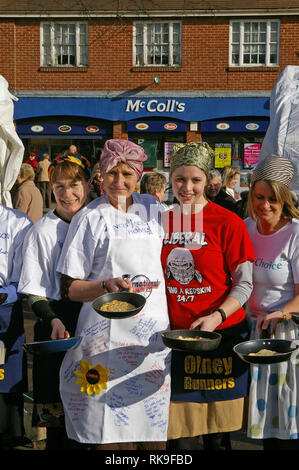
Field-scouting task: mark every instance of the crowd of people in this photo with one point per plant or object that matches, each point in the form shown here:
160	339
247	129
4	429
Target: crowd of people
203	262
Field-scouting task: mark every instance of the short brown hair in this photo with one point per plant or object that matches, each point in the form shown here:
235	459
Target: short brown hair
67	170
152	182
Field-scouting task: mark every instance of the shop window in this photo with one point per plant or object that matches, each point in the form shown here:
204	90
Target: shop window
64	44
157	44
254	43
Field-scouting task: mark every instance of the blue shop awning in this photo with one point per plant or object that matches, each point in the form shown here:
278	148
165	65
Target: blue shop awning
251	125
41	127
156	126
122	108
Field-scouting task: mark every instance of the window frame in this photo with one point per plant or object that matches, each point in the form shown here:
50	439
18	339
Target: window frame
267	43
171	44
52	44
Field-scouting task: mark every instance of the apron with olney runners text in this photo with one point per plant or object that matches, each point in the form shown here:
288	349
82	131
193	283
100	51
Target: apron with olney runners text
116	386
217	375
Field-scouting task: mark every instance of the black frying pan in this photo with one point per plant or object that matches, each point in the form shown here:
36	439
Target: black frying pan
208	340
52	346
283	347
135	299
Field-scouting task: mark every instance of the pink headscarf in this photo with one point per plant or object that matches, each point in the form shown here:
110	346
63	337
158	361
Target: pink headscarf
122	151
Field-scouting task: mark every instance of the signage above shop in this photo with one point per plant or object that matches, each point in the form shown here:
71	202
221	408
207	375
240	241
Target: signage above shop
235	126
155	106
126	108
156	126
44	128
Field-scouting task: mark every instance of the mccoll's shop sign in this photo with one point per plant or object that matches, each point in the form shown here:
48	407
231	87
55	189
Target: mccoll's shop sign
155	106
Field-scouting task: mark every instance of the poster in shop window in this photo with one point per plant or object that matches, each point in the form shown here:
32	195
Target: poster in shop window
168	152
223	155
151	150
251	154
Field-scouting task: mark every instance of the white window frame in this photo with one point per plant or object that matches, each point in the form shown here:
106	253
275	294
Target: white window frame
241	43
170	31
52	45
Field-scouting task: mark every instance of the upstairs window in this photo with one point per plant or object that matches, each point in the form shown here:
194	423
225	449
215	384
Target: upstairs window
64	44
254	43
157	44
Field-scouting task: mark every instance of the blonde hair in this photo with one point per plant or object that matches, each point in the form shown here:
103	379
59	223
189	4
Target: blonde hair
152	182
283	196
96	169
27	172
229	173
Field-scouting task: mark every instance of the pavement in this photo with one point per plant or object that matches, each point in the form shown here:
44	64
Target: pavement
36	437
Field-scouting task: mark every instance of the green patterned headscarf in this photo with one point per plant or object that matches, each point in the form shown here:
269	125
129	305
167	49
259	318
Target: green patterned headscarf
197	154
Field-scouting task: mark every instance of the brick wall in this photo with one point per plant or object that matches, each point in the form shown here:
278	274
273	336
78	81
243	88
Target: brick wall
204	59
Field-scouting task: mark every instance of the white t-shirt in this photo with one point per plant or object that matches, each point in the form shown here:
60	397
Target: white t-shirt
14	226
276	267
86	247
41	251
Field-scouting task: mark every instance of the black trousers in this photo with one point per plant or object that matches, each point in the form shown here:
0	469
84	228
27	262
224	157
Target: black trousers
215	441
281	444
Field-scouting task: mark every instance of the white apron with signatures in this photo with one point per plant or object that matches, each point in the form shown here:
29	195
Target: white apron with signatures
116	386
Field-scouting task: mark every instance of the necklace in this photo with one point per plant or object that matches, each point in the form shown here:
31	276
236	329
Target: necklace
269	229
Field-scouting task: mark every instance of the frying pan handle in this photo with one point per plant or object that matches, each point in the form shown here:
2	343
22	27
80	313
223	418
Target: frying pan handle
265	334
197	328
124	289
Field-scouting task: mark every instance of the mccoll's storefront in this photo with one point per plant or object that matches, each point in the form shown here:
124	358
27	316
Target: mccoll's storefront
234	125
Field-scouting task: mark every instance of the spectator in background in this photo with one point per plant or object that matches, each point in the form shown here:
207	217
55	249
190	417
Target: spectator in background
230	179
97	182
72	149
32	160
153	183
243	201
42	180
28	198
216	193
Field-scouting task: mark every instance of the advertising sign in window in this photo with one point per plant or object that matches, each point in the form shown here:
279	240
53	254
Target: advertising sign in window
223	155
251	154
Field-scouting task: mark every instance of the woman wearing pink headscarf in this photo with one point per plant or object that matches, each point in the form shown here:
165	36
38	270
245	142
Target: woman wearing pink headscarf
116	387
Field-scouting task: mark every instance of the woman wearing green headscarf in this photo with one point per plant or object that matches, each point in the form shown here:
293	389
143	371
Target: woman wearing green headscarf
207	259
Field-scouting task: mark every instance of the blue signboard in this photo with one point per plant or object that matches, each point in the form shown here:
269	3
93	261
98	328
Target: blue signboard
224	126
156	126
40	127
133	108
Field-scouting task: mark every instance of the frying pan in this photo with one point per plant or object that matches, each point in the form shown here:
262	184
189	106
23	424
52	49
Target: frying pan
208	340
135	299
52	346
283	347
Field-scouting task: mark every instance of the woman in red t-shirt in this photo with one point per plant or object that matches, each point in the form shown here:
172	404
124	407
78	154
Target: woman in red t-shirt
207	260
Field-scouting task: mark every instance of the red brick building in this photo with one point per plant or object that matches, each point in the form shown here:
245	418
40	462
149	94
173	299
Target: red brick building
155	72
